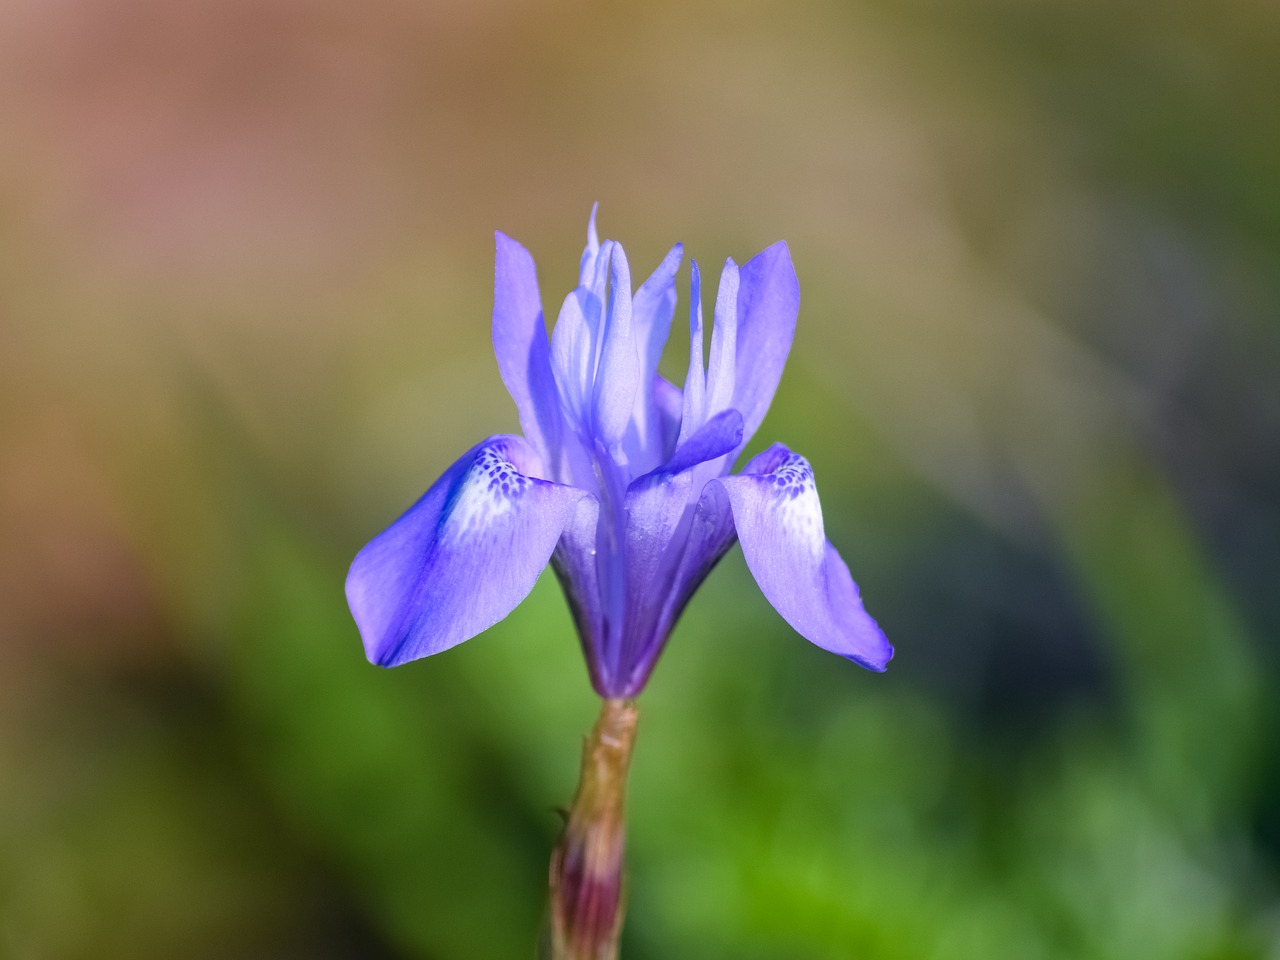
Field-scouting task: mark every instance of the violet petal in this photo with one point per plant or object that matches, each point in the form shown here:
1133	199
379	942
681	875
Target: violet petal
521	347
462	557
779	521
768	303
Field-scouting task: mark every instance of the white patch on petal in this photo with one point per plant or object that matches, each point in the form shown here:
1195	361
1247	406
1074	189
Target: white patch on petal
486	494
795	499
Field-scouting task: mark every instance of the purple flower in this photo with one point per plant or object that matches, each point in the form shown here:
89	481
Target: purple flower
621	480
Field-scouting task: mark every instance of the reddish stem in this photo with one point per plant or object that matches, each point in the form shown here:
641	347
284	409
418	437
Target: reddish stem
586	867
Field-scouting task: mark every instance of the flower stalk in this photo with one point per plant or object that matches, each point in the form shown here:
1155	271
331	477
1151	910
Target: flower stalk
586	867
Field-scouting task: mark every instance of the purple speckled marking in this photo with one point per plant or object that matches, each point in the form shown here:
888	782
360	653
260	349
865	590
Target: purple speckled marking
793	476
502	473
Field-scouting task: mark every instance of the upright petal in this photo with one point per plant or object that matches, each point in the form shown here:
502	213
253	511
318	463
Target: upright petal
587	267
779	522
575	342
768	302
462	557
668	403
653	309
520	344
721	373
695	382
618	376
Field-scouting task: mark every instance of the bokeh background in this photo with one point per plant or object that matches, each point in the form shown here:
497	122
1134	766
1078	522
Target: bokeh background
245	282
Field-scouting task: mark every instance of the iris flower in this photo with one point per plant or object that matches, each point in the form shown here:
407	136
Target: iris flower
622	481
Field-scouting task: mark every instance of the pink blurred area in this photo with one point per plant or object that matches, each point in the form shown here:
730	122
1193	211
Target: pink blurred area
208	133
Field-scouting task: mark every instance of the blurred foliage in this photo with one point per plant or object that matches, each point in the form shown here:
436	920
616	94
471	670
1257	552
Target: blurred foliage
245	275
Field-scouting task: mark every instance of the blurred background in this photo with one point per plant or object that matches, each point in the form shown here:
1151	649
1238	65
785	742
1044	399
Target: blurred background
245	282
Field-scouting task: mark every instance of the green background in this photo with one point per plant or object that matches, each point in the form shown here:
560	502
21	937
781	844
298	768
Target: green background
245	282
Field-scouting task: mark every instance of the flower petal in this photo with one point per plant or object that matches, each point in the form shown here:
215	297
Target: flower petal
618	376
768	302
520	344
715	438
587	267
462	557
695	381
721	374
575	342
658	509
653	309
704	535
576	563
668	403
779	521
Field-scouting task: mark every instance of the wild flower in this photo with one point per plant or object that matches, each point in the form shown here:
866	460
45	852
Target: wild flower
621	481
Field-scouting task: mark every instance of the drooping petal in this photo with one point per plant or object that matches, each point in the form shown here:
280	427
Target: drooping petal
462	557
695	383
779	522
521	347
618	374
768	302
